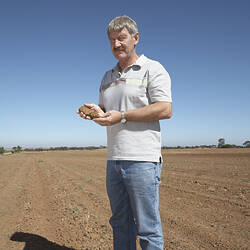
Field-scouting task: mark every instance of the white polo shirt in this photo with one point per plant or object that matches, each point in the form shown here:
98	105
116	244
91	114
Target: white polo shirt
139	85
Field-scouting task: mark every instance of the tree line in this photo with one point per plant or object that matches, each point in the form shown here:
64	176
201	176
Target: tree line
221	144
62	148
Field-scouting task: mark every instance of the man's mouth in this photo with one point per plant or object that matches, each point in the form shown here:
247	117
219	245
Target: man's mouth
118	50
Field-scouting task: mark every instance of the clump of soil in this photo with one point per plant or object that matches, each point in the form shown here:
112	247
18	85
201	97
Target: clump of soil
89	112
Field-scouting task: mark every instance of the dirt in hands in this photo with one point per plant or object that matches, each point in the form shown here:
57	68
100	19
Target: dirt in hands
57	200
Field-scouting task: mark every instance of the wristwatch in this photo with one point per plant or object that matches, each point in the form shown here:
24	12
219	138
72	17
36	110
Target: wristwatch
123	120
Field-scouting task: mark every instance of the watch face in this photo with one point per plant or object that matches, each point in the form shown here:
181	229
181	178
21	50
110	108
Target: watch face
123	121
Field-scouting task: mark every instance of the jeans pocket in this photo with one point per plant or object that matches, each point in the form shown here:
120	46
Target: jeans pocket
158	167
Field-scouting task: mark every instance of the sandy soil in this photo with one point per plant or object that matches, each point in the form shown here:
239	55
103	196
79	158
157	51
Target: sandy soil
58	201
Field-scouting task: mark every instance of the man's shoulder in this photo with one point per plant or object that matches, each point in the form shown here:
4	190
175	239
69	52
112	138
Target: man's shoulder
107	74
152	65
111	71
148	62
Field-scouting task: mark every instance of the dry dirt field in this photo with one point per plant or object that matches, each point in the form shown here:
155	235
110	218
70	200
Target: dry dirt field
57	200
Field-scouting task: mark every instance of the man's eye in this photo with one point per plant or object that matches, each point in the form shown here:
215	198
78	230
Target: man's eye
122	38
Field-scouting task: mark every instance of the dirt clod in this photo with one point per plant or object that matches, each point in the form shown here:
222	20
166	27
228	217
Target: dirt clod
87	111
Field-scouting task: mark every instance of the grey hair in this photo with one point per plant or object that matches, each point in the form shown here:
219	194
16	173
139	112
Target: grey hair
120	22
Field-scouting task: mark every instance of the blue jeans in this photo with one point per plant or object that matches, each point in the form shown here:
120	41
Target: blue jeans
133	190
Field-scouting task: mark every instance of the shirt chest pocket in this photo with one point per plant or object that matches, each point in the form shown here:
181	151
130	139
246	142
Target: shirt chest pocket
136	91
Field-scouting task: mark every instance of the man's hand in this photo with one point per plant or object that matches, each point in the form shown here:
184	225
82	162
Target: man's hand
109	118
95	108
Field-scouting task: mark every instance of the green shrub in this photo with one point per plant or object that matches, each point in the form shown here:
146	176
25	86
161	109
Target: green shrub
2	150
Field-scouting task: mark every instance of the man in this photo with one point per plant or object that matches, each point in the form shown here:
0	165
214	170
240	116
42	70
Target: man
134	96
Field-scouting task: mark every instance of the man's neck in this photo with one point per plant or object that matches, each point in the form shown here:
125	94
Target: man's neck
124	64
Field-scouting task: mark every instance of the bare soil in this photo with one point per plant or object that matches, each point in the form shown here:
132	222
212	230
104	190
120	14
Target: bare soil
57	200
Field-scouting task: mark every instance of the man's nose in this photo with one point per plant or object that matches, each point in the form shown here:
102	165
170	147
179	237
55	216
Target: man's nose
117	43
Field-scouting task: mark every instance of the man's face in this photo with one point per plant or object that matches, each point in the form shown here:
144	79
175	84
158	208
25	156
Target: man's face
123	44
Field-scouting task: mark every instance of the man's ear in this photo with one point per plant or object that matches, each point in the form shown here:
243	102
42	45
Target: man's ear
136	37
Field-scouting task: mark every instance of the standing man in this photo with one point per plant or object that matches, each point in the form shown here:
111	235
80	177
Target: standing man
134	96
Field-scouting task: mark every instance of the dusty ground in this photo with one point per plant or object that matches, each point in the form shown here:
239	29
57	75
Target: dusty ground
57	200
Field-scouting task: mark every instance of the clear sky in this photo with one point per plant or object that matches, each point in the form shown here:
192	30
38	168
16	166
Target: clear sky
54	53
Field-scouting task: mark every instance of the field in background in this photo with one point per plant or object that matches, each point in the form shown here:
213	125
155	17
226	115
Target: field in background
57	200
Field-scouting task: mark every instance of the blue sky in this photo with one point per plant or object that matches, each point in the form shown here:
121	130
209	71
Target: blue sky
53	54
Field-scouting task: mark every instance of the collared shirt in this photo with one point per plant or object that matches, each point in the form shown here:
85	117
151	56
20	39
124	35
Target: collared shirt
140	84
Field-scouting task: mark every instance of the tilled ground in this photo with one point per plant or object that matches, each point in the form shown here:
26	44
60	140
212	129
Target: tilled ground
57	200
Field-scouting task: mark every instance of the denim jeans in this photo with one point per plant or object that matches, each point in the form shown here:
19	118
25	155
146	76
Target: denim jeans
133	190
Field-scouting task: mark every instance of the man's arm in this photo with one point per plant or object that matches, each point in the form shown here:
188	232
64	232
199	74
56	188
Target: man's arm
154	112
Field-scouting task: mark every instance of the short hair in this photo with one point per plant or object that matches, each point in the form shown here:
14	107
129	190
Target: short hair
120	22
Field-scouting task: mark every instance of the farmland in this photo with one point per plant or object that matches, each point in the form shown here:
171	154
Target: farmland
57	200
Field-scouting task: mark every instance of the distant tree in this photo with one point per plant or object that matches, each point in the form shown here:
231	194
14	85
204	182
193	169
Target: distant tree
1	150
246	144
229	146
16	149
221	142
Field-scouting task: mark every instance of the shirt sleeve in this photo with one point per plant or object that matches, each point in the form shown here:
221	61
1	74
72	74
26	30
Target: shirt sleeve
100	98
101	102
159	84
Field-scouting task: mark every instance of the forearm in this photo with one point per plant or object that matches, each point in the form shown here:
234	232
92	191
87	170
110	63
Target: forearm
154	112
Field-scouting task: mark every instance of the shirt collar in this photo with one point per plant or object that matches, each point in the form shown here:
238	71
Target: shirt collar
139	62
